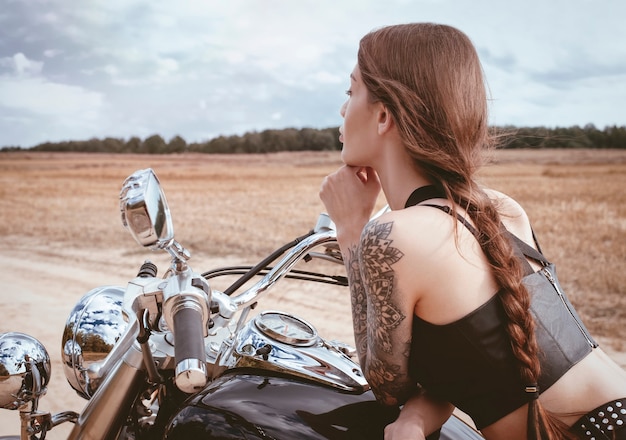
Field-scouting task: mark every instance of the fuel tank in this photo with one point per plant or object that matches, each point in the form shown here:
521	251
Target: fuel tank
259	406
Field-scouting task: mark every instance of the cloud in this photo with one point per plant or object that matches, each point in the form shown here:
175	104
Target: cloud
22	87
33	107
572	72
39	96
19	65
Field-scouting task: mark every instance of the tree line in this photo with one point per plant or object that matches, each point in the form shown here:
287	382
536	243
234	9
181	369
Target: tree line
311	139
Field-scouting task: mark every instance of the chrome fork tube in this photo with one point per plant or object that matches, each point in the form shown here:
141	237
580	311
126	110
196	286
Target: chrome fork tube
107	410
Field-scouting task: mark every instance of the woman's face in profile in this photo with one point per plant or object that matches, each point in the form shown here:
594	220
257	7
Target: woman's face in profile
359	123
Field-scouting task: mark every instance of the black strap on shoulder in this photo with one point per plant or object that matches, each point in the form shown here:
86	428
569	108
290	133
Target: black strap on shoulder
459	217
527	250
428	192
425	193
521	248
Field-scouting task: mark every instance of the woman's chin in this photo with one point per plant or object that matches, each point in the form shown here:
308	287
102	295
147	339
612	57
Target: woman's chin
351	163
346	159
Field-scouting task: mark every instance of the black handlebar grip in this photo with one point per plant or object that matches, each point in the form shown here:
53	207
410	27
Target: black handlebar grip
189	351
147	269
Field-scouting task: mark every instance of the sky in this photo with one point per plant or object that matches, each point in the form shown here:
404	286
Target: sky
76	70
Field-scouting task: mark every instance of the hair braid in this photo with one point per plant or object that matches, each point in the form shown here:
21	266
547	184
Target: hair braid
515	300
513	295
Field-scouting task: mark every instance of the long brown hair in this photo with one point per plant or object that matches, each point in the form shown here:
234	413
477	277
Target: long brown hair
430	79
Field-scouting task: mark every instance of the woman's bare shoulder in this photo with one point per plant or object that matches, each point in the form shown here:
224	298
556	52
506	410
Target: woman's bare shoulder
512	214
421	240
420	231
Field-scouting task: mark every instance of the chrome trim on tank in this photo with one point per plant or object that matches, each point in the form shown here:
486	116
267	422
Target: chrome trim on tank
322	362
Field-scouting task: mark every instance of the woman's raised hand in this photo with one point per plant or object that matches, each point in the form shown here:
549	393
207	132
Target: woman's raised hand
349	195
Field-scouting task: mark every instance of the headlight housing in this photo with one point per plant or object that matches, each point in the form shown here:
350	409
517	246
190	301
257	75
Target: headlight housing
24	369
92	329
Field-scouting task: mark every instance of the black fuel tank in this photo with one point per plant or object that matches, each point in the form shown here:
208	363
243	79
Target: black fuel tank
249	406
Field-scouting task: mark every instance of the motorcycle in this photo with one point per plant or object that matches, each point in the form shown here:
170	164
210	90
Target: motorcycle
172	358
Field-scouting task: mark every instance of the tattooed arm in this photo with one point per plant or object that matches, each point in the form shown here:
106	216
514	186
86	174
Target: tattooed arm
381	327
379	314
382	321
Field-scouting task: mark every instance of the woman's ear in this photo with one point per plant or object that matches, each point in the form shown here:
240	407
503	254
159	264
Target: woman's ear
385	121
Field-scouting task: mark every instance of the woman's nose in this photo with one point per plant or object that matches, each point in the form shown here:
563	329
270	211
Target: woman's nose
342	110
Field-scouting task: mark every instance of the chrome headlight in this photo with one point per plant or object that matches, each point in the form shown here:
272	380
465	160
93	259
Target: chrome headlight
24	369
92	329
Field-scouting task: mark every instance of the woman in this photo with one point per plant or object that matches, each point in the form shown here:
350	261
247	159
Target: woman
440	290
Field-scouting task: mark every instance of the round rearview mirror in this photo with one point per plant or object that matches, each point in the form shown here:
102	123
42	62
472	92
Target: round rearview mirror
144	210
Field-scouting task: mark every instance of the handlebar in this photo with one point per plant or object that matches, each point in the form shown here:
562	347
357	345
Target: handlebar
189	352
252	295
323	233
186	312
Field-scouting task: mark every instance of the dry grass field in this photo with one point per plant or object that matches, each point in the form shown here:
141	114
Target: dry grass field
61	235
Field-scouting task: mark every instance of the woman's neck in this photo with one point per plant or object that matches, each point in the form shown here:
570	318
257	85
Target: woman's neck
399	177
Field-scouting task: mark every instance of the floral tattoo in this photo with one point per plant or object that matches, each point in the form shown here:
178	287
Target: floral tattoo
375	315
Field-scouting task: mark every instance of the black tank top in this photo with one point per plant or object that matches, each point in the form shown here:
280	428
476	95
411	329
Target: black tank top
469	362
